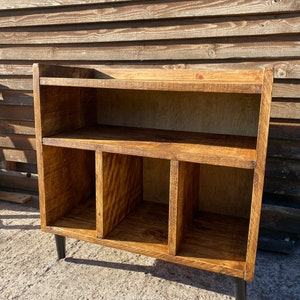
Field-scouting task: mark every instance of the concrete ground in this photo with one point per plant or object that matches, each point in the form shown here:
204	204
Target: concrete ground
29	269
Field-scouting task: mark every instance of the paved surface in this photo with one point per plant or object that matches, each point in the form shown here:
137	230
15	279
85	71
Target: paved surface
29	269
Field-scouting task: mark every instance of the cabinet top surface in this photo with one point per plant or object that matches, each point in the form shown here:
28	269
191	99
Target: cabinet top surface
231	81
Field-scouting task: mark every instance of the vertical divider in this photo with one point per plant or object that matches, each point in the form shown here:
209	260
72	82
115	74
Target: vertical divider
99	194
119	188
184	199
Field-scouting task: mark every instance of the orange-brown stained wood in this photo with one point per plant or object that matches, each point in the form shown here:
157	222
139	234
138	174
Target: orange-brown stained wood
119	189
175	231
184	199
258	181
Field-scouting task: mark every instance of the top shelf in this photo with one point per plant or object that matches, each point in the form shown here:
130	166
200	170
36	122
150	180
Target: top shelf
200	85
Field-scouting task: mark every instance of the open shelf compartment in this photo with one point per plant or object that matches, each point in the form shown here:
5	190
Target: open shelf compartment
124	217
207	232
69	185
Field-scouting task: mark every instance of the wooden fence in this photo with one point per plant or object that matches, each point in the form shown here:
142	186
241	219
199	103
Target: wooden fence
155	34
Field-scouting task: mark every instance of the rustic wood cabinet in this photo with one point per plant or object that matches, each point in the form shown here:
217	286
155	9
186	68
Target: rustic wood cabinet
165	163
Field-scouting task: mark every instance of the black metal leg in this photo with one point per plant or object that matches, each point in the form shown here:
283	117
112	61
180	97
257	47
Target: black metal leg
60	246
240	289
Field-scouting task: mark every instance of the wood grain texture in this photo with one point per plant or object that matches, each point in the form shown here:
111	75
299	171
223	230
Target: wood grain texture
156	180
156	30
216	149
146	34
119	189
180	111
144	10
284	69
225	190
12	179
9	97
184	199
15	4
69	178
18	155
196	86
222	239
14	197
64	111
17	141
16	112
289	109
258	181
150	238
149	51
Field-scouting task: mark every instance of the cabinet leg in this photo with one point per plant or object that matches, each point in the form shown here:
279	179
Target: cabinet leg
60	246
240	289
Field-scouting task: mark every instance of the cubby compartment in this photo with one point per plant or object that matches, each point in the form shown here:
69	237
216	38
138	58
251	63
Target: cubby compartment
213	218
69	183
126	212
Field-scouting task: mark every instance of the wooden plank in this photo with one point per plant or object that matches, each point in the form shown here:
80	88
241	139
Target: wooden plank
277	241
285	108
16	112
18	180
158	51
20	84
9	97
142	11
288	149
282	68
184	199
284	129
13	69
17	141
167	110
119	189
283	168
279	218
281	200
15	4
189	86
218	196
24	156
286	90
17	127
156	180
281	186
181	76
156	30
258	178
14	197
178	145
25	167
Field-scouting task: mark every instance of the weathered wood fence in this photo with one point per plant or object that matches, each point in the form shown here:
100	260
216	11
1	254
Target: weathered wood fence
154	34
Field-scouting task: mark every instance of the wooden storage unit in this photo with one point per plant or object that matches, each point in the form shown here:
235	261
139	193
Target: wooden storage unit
166	163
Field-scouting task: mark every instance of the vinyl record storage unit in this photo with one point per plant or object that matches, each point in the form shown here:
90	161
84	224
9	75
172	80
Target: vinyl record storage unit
165	163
